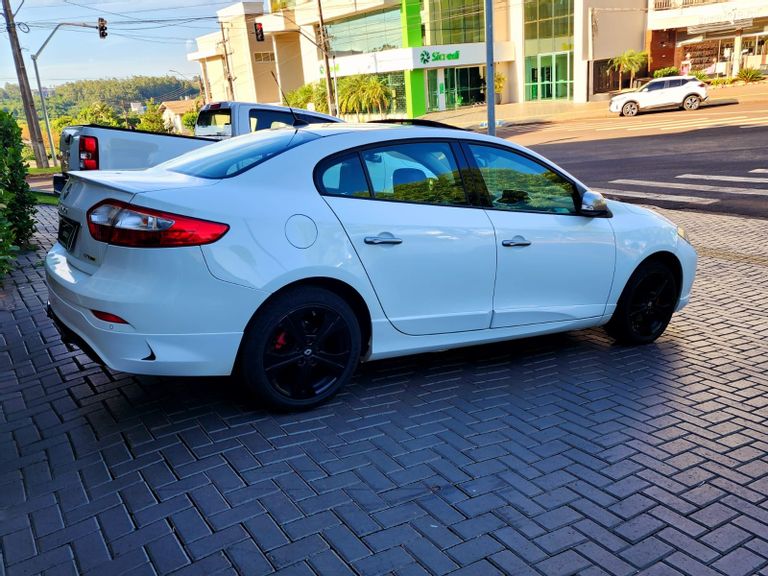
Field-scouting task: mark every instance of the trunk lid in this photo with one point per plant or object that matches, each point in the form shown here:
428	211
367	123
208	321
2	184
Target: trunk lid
86	189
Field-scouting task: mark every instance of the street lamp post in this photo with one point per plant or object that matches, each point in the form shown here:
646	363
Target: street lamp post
35	56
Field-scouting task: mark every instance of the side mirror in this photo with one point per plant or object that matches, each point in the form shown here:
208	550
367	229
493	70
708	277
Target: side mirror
594	204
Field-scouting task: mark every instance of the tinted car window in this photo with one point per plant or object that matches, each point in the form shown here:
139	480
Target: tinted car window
676	83
344	176
517	183
265	119
214	122
655	86
424	172
232	157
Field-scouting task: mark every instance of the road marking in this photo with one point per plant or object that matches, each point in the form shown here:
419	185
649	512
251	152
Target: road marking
759	171
654	196
698	187
746	179
707	123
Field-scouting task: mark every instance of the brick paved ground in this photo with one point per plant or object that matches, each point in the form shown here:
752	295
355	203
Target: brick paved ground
552	456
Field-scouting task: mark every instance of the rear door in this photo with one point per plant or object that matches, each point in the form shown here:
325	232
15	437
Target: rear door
429	255
673	93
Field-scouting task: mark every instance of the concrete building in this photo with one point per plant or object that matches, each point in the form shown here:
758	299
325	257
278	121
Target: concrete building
431	52
234	66
721	37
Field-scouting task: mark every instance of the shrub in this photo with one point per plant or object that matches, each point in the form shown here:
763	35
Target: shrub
664	72
20	203
300	97
7	248
700	75
320	97
748	75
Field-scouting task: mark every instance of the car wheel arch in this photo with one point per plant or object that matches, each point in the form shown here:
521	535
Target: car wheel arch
668	259
338	287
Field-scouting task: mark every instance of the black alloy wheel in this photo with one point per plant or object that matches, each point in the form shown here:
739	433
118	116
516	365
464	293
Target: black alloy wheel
301	348
646	305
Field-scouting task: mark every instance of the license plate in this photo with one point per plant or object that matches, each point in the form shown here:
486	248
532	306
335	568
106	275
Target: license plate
68	229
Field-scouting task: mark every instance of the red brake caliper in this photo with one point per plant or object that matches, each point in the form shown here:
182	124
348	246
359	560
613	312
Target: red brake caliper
280	341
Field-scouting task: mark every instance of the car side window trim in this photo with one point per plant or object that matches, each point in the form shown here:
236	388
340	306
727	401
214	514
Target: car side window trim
485	193
455	148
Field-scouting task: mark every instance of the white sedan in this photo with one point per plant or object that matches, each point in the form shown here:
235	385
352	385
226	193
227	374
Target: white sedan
290	255
686	92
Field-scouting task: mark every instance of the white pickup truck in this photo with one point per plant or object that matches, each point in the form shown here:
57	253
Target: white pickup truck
91	147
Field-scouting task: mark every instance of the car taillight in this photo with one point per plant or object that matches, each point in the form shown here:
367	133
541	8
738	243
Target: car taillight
121	224
89	153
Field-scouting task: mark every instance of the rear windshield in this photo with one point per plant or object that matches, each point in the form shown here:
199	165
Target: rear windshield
214	123
232	157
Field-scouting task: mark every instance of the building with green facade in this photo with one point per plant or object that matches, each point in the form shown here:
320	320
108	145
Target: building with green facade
431	53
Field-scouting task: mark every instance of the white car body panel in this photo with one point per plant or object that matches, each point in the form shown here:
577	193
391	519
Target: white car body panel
187	308
440	279
565	274
664	97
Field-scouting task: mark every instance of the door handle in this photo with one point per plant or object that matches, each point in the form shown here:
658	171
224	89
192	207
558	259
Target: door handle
376	240
518	241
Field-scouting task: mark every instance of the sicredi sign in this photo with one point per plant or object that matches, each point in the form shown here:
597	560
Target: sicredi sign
470	54
425	57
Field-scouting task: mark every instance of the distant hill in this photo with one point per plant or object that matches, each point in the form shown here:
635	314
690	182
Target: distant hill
70	98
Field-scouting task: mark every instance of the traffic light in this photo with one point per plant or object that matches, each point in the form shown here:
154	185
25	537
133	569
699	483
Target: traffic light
102	28
259	32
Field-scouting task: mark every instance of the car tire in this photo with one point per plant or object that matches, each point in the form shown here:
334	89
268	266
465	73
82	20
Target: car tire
646	305
691	102
630	109
300	349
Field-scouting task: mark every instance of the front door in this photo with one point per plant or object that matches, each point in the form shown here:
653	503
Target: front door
553	265
430	257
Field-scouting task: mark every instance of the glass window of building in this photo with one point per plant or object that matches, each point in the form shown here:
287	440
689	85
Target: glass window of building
372	32
453	21
548	49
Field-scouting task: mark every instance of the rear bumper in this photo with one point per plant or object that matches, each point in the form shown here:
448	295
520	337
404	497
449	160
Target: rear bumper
152	354
182	320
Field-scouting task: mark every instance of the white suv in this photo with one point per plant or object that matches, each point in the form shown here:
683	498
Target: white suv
685	92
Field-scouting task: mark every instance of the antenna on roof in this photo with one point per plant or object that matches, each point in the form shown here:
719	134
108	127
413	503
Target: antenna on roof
296	120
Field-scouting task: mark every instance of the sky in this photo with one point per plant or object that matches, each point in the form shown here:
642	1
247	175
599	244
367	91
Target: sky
133	46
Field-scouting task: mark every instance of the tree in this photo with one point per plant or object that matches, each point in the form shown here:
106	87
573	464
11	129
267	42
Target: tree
630	60
300	97
320	97
351	94
19	201
376	94
152	119
189	119
98	113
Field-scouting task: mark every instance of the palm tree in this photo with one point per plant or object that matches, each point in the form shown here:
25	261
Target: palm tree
635	61
376	94
631	60
350	97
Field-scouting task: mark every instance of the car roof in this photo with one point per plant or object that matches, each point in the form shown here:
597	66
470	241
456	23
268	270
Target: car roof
229	104
388	131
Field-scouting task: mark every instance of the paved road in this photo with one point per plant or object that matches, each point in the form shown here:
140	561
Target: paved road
712	160
548	456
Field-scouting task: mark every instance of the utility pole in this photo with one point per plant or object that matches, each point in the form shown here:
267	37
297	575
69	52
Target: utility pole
490	92
324	43
38	147
227	71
